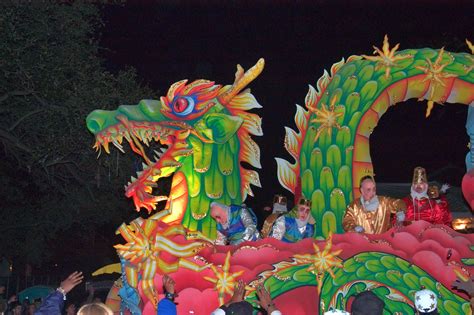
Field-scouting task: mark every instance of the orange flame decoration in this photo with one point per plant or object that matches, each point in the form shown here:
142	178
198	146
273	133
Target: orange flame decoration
147	240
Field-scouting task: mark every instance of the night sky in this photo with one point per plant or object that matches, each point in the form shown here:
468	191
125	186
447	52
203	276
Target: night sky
174	40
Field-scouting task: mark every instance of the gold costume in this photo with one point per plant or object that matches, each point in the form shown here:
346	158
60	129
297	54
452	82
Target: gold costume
373	222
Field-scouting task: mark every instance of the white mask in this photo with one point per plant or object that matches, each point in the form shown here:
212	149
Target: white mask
279	208
417	195
371	205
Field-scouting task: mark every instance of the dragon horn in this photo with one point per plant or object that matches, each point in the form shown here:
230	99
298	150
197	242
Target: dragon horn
470	45
242	80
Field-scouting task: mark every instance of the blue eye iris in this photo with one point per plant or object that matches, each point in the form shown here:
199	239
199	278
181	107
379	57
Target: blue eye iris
183	106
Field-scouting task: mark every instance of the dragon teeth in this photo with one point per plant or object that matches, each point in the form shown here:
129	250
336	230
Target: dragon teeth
117	145
106	147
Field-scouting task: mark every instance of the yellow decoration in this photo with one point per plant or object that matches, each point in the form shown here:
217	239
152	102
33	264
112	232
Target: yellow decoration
327	117
321	262
435	75
386	57
470	45
225	281
112	268
142	252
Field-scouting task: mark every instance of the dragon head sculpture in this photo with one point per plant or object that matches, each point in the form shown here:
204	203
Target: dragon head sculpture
204	130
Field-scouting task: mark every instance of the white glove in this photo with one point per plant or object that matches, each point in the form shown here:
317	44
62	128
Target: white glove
400	216
359	229
444	188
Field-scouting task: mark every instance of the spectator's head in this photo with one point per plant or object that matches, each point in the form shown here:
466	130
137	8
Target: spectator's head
71	309
426	302
367	188
95	309
367	303
336	312
31	309
15	308
240	308
420	181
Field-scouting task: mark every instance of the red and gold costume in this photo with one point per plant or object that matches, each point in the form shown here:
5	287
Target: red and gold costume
424	202
435	211
373	222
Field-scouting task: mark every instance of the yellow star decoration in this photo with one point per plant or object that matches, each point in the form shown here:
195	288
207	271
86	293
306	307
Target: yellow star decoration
321	262
386	57
435	75
327	117
224	280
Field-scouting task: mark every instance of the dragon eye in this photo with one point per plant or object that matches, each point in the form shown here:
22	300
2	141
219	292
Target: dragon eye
183	106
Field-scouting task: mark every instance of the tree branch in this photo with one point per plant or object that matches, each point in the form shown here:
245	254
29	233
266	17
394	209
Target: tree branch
6	227
80	180
37	111
5	96
10	138
62	162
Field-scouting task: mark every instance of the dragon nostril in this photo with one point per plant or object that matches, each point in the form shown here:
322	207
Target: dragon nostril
95	121
93	126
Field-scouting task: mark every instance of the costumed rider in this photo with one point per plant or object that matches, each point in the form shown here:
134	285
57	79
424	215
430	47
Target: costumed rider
295	225
370	213
426	303
235	224
279	208
425	203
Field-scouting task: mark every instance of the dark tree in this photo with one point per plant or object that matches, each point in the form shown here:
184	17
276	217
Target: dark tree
56	196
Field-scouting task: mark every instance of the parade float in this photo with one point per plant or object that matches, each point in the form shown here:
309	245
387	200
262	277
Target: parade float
205	131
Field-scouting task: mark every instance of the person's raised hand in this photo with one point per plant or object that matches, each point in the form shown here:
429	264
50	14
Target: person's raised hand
70	282
168	284
13	298
265	300
466	286
239	291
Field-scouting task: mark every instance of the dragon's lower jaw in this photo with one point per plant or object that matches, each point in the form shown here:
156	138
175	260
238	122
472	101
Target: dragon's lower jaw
167	163
140	189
